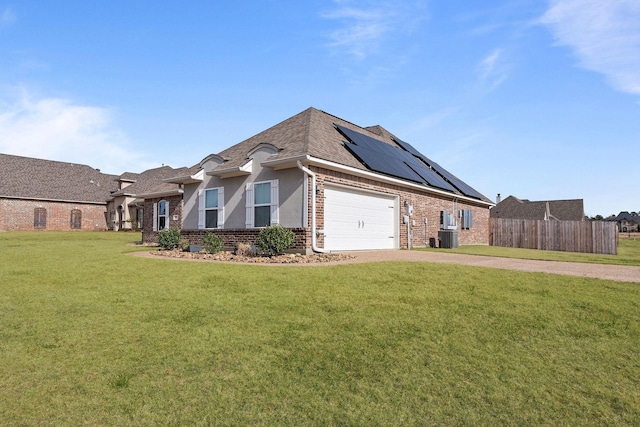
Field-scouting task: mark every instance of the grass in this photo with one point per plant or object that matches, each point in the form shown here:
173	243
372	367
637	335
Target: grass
628	253
92	336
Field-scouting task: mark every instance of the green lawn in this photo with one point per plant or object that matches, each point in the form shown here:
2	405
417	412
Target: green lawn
91	336
628	253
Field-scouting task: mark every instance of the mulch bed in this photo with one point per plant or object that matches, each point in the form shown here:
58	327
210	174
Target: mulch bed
255	259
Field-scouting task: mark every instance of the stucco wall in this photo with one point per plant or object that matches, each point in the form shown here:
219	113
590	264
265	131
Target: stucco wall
18	215
290	195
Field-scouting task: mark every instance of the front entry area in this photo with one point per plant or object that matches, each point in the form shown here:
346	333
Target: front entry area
356	219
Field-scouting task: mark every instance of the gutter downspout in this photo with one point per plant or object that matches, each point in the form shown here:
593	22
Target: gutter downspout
313	207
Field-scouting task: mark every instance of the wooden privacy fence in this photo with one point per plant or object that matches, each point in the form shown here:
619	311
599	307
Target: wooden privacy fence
598	237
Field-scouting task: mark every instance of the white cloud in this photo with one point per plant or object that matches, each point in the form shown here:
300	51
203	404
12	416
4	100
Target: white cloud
604	35
58	129
7	17
492	68
364	25
361	32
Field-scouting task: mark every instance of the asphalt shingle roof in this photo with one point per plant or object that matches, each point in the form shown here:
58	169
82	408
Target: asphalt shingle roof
562	210
150	181
30	178
311	132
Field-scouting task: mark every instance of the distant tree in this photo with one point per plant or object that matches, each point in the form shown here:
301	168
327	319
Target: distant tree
597	218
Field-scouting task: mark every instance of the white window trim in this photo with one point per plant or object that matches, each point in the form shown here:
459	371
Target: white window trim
250	203
202	210
156	216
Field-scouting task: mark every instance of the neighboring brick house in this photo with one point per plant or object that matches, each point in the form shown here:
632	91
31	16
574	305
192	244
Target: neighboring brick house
628	222
126	205
337	185
561	210
38	194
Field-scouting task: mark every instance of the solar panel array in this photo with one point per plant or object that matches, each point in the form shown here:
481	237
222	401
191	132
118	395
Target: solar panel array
454	180
406	162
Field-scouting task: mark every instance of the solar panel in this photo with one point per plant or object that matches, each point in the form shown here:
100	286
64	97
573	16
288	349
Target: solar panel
367	142
430	176
407	147
463	187
407	163
379	163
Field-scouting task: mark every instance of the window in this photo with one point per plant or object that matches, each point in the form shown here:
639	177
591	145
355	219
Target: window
76	219
160	215
211	208
40	218
140	217
262	203
467	218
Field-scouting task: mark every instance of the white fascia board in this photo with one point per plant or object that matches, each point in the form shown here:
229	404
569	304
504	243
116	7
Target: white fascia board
176	192
313	161
187	179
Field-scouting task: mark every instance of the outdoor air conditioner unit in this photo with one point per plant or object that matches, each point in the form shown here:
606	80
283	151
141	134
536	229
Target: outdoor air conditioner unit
448	239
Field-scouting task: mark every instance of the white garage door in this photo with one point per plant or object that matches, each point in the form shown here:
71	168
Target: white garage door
355	220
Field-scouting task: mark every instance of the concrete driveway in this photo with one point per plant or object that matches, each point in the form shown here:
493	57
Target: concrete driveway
618	273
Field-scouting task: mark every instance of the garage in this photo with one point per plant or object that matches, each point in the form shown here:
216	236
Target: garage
356	219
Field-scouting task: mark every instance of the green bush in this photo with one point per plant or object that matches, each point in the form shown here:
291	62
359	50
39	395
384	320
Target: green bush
169	239
275	240
212	243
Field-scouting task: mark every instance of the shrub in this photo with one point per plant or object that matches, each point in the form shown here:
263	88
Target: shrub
244	249
212	243
169	239
184	245
275	240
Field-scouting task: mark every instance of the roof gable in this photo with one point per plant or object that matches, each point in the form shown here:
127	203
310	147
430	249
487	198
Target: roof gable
152	181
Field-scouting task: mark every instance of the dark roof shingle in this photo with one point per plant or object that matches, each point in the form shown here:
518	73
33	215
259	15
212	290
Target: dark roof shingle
30	178
562	210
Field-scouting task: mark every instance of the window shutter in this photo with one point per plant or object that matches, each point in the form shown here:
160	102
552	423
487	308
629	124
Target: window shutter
274	202
201	212
470	221
167	217
221	207
155	217
249	204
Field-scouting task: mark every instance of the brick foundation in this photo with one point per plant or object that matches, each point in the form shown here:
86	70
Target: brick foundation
232	237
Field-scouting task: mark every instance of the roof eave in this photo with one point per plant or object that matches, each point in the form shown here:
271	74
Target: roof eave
166	193
186	179
44	199
241	170
313	161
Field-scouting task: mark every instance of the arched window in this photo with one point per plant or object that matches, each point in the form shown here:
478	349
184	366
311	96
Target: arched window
76	219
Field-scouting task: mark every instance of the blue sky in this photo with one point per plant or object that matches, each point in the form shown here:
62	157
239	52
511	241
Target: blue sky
537	99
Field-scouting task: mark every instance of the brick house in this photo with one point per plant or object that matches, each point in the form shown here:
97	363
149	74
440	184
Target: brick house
126	206
628	221
38	194
560	210
337	185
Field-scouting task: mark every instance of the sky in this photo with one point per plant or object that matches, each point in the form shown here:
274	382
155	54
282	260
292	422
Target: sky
531	98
